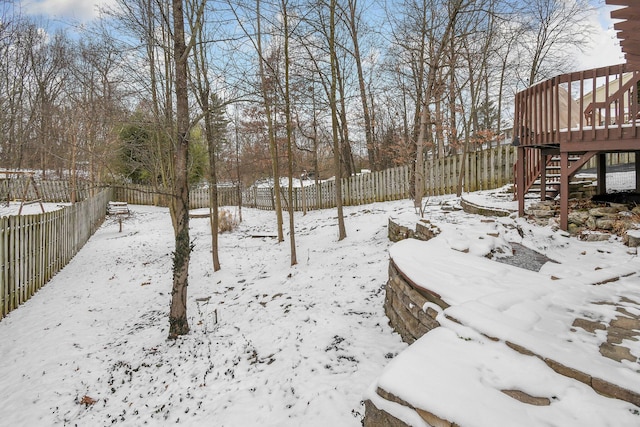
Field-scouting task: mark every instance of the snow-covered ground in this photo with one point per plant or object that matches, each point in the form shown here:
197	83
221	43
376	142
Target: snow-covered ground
291	346
271	345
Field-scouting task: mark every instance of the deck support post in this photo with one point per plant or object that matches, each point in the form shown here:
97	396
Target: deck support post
543	176
601	171
520	171
637	153
564	190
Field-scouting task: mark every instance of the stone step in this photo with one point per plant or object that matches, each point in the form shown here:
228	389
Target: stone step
487	346
457	378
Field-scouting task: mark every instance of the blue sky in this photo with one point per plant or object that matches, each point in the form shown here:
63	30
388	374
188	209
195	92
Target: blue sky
604	49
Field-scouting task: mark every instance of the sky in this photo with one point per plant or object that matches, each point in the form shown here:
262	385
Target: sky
604	49
71	10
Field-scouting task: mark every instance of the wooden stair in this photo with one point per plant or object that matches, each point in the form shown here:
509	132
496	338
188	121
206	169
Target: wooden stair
552	175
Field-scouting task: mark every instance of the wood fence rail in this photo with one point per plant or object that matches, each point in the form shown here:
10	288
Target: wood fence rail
33	248
147	195
50	191
483	170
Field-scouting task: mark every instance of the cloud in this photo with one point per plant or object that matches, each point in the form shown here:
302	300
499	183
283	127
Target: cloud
604	48
81	10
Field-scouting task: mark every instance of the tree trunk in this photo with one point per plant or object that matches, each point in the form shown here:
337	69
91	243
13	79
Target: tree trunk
178	323
342	233
213	191
273	148
368	123
207	104
287	112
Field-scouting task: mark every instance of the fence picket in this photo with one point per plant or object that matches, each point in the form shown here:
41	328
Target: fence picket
35	247
485	169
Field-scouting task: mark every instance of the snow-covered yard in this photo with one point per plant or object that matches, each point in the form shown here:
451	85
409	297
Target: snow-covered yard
271	345
291	346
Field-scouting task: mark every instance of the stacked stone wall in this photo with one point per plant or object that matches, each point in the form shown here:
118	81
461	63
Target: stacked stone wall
586	217
405	307
424	231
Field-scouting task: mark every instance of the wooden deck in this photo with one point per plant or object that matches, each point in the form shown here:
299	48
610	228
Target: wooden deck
570	119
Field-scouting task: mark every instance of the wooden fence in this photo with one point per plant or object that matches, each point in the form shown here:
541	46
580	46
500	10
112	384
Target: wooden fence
483	170
198	197
33	248
49	191
612	159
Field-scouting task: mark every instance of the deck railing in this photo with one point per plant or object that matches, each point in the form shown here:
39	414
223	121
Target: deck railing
588	106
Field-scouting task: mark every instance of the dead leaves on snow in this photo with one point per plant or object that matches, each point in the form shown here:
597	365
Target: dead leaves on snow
87	401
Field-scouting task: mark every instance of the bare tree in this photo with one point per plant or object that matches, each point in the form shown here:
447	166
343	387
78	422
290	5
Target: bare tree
268	107
178	322
354	21
210	106
49	65
342	232
551	26
439	47
289	131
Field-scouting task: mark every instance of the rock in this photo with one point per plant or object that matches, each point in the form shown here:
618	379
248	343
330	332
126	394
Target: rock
568	372
527	398
620	206
633	238
616	352
603	211
628	323
608	389
543	213
375	417
578	218
605	224
595	237
588	325
398	232
574	229
425	230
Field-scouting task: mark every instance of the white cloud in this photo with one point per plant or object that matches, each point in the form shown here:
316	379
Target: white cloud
604	48
81	10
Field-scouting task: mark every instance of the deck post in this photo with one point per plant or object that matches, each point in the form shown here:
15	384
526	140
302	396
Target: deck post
564	190
601	171
520	171
543	176
637	153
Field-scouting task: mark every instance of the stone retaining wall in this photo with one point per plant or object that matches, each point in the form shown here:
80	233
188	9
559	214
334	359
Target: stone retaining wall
590	220
424	231
411	312
404	302
404	305
472	208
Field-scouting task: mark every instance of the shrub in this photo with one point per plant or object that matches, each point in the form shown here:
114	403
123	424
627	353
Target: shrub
226	221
